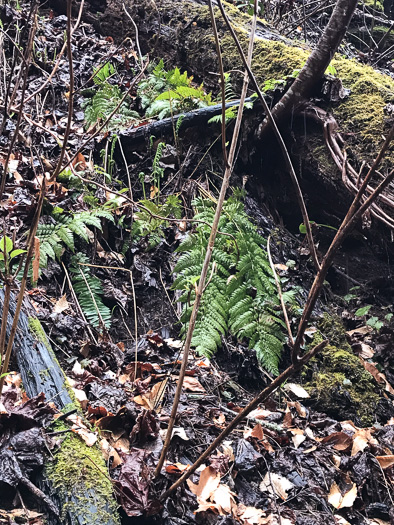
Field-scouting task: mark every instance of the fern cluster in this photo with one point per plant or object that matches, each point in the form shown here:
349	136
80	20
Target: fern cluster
241	296
165	93
89	291
145	225
60	232
105	100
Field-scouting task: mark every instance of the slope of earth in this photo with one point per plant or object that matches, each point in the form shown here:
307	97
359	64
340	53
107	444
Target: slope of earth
321	449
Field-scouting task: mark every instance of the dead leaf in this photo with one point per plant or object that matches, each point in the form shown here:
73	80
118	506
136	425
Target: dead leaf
385	461
176	431
297	390
339	500
61	305
250	515
255	432
361	439
297	437
110	453
276	485
176	468
366	352
362	330
339	440
378	376
80	396
192	384
208	483
79	428
152	398
301	410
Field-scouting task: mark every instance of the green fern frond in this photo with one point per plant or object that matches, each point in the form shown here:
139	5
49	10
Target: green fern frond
89	291
241	296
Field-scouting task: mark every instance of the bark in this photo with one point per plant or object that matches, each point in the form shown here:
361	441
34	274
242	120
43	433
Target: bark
41	372
317	62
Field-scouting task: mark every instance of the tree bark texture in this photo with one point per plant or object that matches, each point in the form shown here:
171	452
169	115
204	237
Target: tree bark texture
41	372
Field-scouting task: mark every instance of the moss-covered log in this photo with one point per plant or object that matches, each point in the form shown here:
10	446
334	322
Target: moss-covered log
76	476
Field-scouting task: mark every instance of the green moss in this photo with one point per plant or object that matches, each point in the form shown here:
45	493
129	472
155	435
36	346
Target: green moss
271	59
375	4
332	329
39	333
341	387
362	115
79	475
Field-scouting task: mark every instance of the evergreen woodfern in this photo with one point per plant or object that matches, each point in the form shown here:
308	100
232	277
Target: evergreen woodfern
241	296
60	232
89	291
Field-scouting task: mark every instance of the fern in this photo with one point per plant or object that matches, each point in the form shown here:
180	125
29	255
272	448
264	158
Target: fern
145	225
105	100
240	297
89	291
165	93
61	231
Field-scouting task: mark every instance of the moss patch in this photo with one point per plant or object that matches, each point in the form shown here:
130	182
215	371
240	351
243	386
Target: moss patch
375	4
78	473
338	383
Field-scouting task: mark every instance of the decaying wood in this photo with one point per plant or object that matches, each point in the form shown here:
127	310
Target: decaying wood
41	372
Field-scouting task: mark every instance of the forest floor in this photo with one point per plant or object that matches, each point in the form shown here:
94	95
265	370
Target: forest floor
320	450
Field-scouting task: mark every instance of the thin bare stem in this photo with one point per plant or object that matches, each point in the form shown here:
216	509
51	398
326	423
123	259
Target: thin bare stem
286	317
222	84
207	260
289	164
71	94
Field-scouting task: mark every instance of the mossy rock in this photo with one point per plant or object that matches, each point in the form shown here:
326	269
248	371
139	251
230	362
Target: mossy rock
341	387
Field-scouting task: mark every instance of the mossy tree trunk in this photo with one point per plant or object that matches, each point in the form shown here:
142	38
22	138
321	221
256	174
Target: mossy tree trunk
76	476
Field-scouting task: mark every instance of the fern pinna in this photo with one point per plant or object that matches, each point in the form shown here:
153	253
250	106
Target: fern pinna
240	297
89	291
61	230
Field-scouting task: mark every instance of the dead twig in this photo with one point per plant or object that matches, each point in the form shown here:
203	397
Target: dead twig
208	255
285	153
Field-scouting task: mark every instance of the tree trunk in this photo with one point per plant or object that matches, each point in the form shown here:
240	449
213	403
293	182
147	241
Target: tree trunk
83	497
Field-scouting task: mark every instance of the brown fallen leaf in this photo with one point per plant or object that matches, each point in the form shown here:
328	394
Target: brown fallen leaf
176	468
301	411
153	397
361	439
362	330
255	432
79	428
385	461
276	485
192	384
339	440
378	376
297	437
339	500
207	484
110	453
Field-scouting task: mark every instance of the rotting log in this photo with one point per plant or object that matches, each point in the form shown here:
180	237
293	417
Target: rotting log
198	117
81	498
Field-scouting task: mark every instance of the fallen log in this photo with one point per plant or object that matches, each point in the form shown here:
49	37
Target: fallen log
75	479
